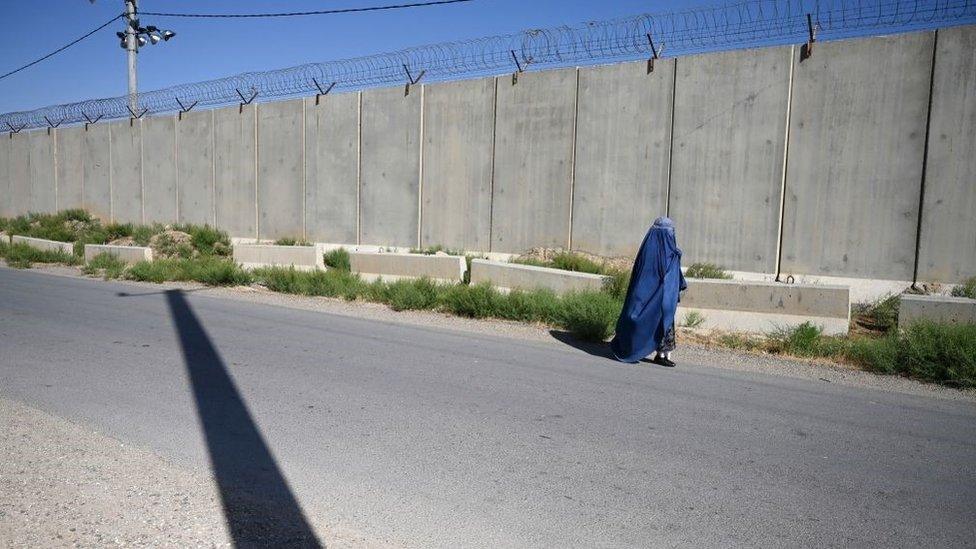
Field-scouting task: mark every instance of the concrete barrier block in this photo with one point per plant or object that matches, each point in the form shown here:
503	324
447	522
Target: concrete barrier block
4	237
127	254
508	276
394	266
937	308
42	244
742	306
251	256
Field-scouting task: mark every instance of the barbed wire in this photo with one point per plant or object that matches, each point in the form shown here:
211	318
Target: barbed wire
751	23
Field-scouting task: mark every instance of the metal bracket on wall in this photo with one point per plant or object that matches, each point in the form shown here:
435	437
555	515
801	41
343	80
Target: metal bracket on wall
184	108
134	115
807	49
518	68
245	101
411	80
655	53
14	130
322	91
52	124
89	121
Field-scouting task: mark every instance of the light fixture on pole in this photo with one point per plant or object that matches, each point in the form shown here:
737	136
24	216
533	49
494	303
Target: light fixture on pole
134	37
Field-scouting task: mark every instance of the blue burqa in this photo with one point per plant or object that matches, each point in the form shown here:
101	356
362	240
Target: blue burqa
653	295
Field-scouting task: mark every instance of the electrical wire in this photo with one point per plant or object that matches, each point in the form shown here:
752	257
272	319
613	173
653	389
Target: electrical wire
62	48
303	13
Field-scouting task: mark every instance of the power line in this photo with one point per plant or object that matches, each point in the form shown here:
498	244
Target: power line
302	13
62	48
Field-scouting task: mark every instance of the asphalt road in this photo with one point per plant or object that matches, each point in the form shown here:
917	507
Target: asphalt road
428	437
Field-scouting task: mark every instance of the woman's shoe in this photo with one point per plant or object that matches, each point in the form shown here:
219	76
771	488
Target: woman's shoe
663	361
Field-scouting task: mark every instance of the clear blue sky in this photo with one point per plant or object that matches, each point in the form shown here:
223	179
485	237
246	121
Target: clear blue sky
206	48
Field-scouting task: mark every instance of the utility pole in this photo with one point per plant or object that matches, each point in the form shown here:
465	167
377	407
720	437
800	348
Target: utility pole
132	47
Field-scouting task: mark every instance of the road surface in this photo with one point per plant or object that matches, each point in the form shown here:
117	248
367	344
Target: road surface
428	437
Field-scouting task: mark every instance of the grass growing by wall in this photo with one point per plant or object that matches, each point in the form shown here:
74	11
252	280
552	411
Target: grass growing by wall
966	289
288	241
935	352
22	256
707	270
879	316
588	315
337	259
80	227
106	266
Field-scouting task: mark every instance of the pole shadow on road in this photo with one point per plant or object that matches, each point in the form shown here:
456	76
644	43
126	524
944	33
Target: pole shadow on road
259	507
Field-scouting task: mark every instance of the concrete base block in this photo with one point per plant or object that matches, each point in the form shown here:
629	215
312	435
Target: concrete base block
759	323
251	256
508	276
742	306
863	290
4	237
127	254
42	244
951	310
394	266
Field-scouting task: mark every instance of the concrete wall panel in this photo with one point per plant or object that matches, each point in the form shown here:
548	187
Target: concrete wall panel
43	182
533	160
459	119
98	171
857	134
281	154
71	167
18	172
159	173
390	176
727	156
623	146
6	200
126	171
947	249
234	169
332	168
195	167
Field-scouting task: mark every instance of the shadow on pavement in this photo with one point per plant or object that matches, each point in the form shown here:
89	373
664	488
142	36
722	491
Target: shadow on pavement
259	506
600	349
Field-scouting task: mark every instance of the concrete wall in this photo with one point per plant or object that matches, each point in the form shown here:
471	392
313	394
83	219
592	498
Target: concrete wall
98	171
281	172
43	185
459	124
195	167
71	168
581	158
159	173
534	131
728	151
623	149
390	169
19	172
332	168
947	246
7	208
126	172
857	137
235	170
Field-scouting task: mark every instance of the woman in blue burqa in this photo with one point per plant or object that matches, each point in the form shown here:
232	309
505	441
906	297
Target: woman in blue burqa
646	324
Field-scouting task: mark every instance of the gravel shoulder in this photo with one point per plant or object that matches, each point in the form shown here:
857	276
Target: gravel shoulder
820	371
62	484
